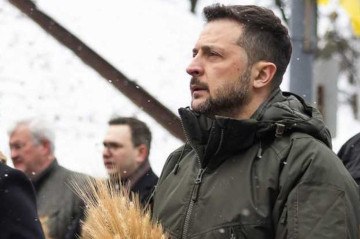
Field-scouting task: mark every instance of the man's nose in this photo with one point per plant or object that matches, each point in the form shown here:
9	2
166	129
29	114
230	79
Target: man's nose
195	68
13	153
106	152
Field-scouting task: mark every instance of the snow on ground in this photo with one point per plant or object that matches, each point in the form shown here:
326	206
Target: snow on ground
149	41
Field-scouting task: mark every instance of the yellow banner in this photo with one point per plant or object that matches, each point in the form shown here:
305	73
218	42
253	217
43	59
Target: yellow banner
323	2
352	7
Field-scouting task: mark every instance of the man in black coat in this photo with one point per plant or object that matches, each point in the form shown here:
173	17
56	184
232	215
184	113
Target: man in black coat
18	213
350	156
126	156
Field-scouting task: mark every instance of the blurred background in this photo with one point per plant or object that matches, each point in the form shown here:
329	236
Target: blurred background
79	63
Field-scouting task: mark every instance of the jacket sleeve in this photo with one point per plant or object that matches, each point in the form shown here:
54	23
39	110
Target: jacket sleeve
18	218
318	198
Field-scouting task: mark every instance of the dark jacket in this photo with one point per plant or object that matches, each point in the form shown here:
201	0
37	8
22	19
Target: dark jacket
18	215
143	185
57	201
350	156
271	176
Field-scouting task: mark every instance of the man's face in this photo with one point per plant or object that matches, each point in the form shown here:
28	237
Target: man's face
26	155
120	155
220	83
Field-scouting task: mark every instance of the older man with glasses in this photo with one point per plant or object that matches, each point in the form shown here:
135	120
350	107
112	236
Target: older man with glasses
32	151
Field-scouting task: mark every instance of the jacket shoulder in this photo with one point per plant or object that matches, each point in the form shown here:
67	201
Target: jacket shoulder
174	159
315	162
312	171
72	176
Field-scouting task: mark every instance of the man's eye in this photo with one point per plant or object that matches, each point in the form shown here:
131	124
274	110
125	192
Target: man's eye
213	53
17	146
112	146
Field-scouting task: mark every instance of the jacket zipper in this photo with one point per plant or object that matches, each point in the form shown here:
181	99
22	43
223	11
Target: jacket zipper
194	197
195	191
232	232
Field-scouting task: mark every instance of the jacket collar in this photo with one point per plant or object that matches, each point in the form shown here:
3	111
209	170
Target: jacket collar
38	180
132	180
282	113
217	138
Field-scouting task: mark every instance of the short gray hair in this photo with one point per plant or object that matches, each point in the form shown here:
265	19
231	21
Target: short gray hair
40	130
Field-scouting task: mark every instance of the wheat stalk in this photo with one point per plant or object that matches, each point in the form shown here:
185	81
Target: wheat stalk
110	214
44	225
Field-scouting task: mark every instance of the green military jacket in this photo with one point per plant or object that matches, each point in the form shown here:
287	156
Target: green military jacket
271	176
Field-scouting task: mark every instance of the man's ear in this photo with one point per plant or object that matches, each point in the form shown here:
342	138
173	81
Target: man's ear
142	153
263	73
46	146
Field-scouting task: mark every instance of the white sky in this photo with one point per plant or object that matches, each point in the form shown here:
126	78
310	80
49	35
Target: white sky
149	41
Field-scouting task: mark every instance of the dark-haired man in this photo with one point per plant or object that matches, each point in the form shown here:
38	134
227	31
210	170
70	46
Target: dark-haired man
126	156
257	162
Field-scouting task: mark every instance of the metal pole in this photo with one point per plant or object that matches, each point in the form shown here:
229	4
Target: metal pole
326	73
303	34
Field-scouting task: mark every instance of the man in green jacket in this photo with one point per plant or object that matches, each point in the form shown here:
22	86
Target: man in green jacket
258	161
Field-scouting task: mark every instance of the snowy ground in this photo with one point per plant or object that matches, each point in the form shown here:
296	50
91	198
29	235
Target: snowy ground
150	41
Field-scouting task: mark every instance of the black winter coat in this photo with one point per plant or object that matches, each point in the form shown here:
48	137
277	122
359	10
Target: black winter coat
350	156
145	185
18	214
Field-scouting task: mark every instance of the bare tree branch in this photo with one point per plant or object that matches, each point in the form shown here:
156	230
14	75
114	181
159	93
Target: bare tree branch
281	5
